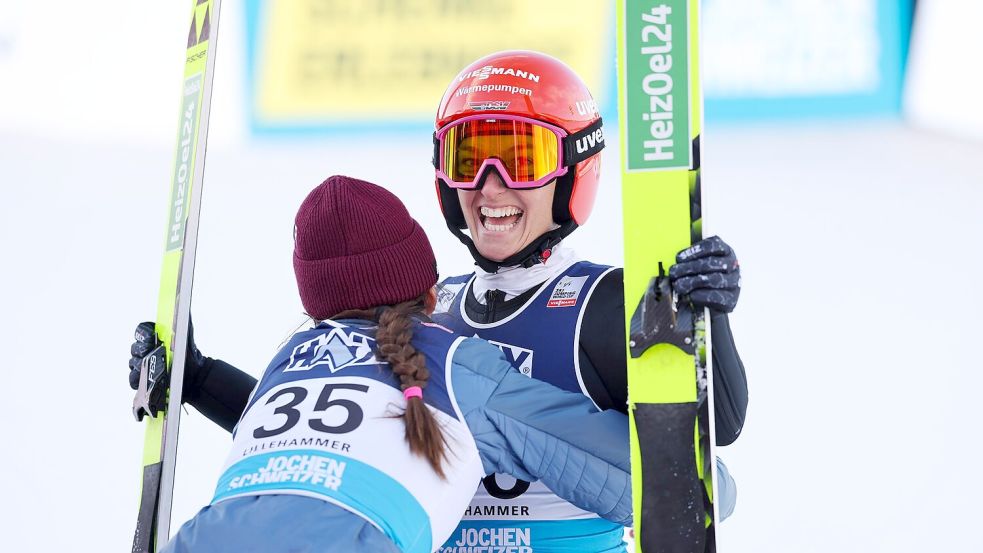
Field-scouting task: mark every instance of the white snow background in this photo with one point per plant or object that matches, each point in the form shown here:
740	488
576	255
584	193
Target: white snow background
858	320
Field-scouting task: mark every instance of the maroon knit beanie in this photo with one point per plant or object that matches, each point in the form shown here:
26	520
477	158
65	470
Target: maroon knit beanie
356	247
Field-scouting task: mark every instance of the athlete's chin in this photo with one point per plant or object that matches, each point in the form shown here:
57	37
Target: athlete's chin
496	252
498	248
499	245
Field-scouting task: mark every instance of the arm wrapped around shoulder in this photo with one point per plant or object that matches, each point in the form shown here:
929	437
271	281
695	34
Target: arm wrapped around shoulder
535	431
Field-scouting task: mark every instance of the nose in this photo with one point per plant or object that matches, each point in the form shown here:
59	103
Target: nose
493	185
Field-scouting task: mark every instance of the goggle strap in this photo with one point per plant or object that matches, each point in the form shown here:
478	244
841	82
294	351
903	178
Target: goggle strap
583	144
436	152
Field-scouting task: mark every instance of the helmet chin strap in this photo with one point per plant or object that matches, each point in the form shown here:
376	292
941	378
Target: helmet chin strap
536	252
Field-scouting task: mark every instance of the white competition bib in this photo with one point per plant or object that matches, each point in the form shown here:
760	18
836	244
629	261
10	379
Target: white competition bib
340	439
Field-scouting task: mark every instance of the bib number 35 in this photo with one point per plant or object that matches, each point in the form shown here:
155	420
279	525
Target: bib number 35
298	394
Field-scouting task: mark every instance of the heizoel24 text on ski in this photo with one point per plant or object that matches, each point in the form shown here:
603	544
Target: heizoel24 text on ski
660	115
161	389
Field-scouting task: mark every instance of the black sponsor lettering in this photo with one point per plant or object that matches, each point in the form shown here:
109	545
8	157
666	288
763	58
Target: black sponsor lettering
497	510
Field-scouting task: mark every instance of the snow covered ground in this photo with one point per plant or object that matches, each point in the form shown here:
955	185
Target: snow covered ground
858	242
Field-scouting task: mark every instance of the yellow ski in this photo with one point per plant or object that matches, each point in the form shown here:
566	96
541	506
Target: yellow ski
660	117
162	373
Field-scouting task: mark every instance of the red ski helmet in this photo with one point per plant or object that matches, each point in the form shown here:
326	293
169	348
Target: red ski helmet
536	87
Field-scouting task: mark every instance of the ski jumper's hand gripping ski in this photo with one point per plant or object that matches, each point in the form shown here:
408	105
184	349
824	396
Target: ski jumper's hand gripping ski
158	397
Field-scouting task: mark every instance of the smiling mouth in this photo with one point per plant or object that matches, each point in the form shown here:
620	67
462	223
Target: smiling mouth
499	219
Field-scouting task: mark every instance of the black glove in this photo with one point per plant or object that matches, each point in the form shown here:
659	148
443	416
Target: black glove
145	341
707	274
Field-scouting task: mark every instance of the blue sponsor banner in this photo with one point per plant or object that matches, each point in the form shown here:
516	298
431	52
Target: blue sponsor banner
342	479
520	536
804	59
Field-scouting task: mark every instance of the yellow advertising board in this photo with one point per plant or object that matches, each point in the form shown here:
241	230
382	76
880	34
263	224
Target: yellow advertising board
318	62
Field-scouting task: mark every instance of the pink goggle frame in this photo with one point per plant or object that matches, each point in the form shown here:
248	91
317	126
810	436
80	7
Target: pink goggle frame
559	169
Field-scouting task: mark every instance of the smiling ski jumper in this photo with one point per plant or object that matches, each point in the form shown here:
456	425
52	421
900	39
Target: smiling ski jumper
556	317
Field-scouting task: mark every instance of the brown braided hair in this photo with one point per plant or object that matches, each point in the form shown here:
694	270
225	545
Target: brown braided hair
423	433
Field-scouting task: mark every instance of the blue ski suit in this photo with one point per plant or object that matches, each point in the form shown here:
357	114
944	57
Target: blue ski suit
544	333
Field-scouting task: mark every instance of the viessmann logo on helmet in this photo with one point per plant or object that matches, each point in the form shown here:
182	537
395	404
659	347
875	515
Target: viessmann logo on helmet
488	70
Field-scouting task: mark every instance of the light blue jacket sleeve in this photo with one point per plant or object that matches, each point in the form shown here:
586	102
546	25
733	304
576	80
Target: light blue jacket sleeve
726	491
535	431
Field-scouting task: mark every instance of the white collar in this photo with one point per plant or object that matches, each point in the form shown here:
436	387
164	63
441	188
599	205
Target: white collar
517	279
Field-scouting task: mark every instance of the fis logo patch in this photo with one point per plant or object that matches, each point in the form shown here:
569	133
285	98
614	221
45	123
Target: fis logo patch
566	293
445	296
336	349
520	358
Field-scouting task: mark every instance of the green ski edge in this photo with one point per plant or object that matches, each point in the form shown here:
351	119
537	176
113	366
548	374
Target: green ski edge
173	303
660	116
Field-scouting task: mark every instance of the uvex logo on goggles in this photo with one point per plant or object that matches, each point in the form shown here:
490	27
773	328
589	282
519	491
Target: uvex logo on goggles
527	153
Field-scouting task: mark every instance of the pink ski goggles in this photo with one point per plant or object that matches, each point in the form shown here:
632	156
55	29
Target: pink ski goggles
527	153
